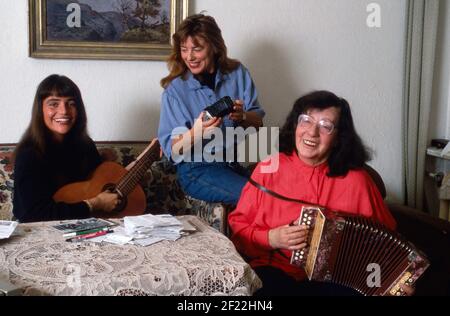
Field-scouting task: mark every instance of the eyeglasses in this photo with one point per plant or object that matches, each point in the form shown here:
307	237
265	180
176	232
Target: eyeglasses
325	126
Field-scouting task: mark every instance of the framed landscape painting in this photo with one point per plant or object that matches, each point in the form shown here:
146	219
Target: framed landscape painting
104	29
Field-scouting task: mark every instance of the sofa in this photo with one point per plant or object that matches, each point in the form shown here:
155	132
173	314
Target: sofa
164	195
162	190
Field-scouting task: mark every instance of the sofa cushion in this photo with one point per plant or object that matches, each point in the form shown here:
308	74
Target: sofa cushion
161	188
6	181
163	192
122	153
215	214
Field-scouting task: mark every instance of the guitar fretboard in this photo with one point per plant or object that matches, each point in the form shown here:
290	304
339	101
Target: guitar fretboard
137	172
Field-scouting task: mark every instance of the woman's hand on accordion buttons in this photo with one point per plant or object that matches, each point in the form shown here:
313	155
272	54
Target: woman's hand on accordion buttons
288	237
408	289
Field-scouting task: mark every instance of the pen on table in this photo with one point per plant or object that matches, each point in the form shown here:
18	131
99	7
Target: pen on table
88	236
195	225
84	232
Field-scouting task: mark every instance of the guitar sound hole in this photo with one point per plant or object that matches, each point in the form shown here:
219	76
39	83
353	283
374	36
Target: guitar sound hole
123	201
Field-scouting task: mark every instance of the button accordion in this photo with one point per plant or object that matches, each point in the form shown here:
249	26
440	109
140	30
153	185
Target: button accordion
357	252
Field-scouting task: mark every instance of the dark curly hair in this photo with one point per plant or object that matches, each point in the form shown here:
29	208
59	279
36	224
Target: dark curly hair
349	153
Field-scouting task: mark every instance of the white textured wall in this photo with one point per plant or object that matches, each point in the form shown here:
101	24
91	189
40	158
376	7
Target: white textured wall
121	97
440	106
290	46
294	46
440	113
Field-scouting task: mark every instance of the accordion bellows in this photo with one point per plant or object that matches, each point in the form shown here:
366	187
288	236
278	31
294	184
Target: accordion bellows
357	252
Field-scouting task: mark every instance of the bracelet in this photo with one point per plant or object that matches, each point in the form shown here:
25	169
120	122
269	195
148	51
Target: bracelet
89	204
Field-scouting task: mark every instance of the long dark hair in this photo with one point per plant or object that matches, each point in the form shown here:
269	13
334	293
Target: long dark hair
349	152
37	134
205	27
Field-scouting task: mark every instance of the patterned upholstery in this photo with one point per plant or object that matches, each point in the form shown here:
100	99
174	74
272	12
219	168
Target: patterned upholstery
164	194
6	182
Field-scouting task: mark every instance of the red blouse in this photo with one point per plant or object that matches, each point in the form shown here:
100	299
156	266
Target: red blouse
258	212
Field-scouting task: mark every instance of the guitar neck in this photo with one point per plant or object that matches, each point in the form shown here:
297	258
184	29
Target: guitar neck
137	172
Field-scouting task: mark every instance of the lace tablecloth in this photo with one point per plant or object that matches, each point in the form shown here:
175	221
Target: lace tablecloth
204	263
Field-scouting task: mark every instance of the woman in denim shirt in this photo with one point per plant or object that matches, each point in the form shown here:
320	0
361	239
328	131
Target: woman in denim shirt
200	75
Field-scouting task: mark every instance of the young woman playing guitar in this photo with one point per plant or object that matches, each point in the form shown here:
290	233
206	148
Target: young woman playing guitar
56	150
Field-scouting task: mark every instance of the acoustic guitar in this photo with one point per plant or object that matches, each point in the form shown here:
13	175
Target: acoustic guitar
117	179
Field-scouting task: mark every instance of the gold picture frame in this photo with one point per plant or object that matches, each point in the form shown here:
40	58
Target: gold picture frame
73	29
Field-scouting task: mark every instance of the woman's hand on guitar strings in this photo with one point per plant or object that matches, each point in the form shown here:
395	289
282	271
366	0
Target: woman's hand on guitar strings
105	201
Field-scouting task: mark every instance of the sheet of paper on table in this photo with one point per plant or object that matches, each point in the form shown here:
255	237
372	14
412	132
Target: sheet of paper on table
147	229
7	228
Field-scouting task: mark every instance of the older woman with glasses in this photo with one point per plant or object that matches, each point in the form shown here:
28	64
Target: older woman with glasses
321	161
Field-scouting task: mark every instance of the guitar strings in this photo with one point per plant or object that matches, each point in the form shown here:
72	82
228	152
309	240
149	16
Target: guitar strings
129	181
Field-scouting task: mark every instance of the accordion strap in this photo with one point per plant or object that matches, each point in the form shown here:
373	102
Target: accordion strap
279	196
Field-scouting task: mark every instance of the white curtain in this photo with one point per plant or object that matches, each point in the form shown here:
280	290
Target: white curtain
422	21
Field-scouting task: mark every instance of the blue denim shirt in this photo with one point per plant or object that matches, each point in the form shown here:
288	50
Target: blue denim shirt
184	99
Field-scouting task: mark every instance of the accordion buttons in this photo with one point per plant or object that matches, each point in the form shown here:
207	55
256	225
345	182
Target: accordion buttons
305	219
